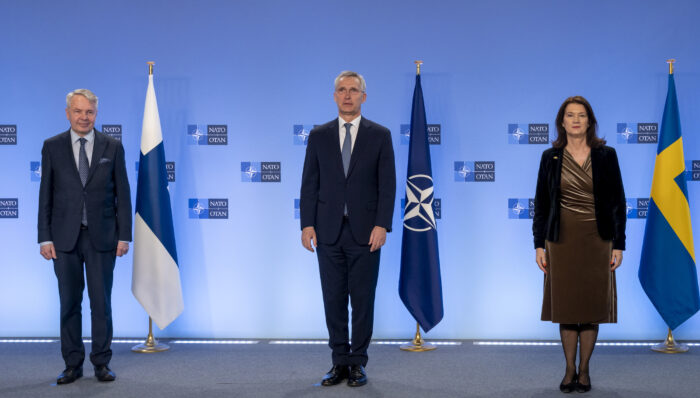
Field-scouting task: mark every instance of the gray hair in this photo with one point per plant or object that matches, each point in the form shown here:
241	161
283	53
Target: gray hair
91	97
348	73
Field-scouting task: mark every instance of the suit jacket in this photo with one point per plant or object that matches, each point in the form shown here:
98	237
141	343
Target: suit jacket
369	188
106	194
608	192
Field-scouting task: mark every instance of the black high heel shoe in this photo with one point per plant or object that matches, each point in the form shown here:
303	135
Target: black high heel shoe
569	387
583	387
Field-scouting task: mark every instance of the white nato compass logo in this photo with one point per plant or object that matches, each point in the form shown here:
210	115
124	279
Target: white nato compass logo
304	135
517	133
250	171
418	213
629	208
406	133
517	209
464	171
627	133
197	134
37	172
197	208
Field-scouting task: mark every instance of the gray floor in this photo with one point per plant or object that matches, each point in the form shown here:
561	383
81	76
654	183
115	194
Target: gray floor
267	370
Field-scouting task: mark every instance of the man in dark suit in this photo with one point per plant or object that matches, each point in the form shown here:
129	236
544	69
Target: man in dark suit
346	207
84	218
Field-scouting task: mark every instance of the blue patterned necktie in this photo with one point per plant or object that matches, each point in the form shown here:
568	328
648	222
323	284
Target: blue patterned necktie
83	168
345	152
347	148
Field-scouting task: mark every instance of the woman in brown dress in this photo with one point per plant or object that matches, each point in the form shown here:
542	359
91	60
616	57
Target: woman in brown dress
579	232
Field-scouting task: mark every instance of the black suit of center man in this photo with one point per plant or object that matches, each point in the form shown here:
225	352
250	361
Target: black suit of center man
70	242
348	241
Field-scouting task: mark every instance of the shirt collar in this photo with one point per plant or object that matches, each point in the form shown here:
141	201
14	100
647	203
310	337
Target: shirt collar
355	122
75	137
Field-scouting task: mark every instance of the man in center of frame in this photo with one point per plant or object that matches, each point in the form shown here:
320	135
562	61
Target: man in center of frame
346	207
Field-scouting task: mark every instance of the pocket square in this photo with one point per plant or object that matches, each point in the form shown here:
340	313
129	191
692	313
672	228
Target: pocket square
105	160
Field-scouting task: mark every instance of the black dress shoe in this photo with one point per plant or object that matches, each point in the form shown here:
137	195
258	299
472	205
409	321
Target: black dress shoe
334	376
104	373
357	377
568	387
580	387
69	375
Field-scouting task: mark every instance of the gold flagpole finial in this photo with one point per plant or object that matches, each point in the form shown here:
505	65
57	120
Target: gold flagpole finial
418	64
150	67
670	65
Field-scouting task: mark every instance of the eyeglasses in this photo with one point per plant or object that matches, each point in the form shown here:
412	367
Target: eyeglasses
353	91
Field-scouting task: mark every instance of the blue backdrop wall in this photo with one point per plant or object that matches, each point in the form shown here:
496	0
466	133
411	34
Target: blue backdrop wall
264	70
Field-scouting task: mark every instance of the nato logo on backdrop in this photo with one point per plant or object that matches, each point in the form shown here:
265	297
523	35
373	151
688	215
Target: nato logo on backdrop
209	134
169	168
475	171
208	208
521	208
637	133
434	134
113	130
532	133
8	134
637	207
34	171
296	209
9	208
692	170
261	171
301	133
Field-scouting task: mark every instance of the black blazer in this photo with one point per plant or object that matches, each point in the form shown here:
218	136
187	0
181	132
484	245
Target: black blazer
608	192
369	189
106	194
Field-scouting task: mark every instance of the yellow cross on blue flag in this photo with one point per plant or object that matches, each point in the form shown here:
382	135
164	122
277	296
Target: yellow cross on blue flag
667	267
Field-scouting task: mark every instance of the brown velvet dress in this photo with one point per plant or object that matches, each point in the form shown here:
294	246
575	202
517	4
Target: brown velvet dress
578	286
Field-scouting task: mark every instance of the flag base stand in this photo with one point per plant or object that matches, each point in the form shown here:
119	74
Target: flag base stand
151	345
418	344
670	346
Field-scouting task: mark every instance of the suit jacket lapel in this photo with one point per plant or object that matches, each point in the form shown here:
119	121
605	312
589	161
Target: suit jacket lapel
98	149
360	140
68	148
335	146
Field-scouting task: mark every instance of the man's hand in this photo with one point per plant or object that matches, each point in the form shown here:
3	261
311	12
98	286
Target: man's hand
47	251
377	238
308	238
122	248
540	259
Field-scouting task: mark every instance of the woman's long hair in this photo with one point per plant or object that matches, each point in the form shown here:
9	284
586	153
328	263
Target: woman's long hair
592	138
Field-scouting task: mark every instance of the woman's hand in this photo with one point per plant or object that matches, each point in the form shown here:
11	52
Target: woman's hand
616	259
540	259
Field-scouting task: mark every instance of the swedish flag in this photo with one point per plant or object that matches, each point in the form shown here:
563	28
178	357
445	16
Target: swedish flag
667	268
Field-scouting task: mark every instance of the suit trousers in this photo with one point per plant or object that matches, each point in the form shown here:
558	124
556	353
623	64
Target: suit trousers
348	270
99	268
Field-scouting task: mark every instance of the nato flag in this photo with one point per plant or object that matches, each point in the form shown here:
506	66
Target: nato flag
420	287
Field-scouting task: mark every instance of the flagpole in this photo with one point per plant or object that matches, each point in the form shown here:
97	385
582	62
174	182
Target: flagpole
669	346
418	344
151	345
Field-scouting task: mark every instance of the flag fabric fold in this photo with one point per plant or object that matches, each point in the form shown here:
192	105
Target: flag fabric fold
156	277
667	267
420	285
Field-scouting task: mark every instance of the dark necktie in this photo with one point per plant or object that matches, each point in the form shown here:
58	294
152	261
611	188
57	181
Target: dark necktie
347	148
83	168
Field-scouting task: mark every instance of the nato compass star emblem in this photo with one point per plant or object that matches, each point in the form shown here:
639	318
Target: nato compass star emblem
464	171
517	133
197	134
406	134
627	133
517	209
629	208
197	208
418	213
250	172
37	172
304	135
